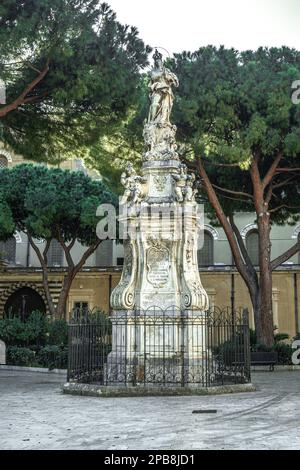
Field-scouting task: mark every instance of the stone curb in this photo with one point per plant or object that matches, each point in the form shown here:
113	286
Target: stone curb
122	391
276	368
41	370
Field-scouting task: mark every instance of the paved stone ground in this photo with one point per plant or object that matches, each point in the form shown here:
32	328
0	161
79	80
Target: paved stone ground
34	414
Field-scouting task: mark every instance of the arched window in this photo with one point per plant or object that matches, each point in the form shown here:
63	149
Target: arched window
24	301
8	250
55	254
3	161
206	253
252	246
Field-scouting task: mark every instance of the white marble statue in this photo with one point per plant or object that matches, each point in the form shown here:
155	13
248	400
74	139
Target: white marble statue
161	94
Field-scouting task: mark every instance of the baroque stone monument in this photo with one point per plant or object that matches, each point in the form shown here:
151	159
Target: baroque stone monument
158	214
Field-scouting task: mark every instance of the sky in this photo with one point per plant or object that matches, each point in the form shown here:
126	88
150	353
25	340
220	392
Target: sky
178	25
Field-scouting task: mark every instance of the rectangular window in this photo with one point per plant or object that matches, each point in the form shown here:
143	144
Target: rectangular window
80	309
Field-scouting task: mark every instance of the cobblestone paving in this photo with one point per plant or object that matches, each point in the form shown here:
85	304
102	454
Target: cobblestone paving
34	414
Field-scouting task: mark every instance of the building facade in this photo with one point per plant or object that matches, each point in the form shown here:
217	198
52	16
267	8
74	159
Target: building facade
21	286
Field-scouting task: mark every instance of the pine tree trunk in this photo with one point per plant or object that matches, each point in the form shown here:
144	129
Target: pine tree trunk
265	281
255	300
62	301
51	306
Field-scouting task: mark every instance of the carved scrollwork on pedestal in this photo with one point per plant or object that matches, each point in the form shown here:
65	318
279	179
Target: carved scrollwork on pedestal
193	294
122	296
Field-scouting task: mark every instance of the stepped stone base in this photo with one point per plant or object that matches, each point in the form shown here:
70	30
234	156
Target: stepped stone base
102	391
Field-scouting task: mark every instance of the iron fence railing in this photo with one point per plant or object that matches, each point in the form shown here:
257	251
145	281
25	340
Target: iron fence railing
154	347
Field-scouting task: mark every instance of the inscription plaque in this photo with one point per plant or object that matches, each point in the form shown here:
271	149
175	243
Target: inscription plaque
158	265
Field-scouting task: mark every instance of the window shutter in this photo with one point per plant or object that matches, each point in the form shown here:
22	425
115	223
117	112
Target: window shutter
55	254
8	250
206	253
252	246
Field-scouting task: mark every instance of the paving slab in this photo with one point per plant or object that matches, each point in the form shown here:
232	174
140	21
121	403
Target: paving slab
35	414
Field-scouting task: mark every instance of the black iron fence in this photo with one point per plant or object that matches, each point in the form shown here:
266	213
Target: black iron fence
154	347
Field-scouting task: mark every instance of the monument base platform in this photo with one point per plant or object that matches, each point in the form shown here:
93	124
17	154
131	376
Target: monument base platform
94	390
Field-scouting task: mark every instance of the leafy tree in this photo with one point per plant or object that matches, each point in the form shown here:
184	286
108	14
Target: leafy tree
240	130
50	204
123	144
71	72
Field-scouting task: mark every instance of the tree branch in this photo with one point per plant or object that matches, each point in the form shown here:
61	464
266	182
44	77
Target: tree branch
213	199
66	249
242	246
229	191
223	165
271	171
86	255
37	251
286	182
286	170
4	110
281	206
285	256
43	261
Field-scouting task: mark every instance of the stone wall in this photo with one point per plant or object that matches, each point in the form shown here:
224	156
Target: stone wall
223	287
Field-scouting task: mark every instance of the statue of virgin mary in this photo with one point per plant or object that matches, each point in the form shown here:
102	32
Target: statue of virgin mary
161	94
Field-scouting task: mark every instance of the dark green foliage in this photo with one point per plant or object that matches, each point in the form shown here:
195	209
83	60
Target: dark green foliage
281	346
14	332
231	348
49	203
53	204
253	339
21	356
232	104
58	333
280	337
94	65
284	353
37	342
53	357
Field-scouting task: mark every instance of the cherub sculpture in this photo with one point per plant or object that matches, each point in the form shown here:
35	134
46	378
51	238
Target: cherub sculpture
133	185
189	190
180	182
184	184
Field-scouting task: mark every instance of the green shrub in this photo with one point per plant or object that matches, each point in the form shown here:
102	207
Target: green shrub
260	347
37	341
281	337
53	357
20	356
252	335
280	346
12	331
15	332
284	353
36	327
58	333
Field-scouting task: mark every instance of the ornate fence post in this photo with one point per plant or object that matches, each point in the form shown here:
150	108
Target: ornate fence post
182	349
